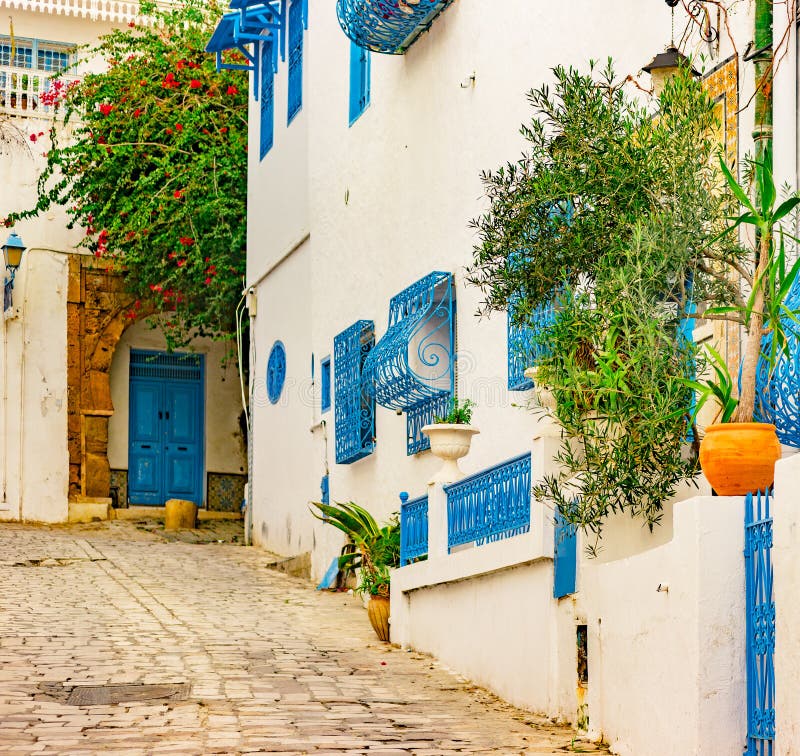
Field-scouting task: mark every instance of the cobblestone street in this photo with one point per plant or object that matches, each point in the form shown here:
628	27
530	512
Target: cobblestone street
265	663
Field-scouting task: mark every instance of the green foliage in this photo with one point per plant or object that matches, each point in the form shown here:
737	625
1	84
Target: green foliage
376	548
720	387
152	162
617	207
460	413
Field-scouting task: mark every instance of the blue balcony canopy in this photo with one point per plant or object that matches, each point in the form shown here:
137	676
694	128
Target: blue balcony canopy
250	22
387	26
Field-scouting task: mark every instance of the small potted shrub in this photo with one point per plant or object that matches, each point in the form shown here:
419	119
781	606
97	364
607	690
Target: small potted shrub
451	437
375	551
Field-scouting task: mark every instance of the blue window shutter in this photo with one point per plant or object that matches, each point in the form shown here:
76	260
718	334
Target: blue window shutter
359	81
565	557
325	381
354	410
267	99
295	59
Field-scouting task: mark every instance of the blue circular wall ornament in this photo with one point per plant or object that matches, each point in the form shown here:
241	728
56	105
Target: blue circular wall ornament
276	372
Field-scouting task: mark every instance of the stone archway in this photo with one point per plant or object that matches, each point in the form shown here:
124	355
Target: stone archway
97	315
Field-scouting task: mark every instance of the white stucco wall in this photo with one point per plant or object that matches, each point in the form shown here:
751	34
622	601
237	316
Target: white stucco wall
224	445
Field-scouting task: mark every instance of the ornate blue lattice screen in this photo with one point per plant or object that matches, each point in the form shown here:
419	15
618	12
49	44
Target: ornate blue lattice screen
354	408
412	368
778	390
276	372
523	349
387	26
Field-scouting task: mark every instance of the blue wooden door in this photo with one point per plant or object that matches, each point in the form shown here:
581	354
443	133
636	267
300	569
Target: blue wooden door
166	428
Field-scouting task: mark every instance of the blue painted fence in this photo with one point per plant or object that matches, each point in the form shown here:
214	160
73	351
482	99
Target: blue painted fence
490	505
760	608
413	529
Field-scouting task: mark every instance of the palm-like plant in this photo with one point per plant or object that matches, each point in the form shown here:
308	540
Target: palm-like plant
375	548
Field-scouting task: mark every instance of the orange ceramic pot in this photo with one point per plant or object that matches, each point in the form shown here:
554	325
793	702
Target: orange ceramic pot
739	458
378	613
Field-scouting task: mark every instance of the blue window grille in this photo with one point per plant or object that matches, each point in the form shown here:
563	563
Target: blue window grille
354	413
412	368
565	556
359	81
413	529
760	625
295	59
267	99
325	384
490	505
387	27
276	372
523	350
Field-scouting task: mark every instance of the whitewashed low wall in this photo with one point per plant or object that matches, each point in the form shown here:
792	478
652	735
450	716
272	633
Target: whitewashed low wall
786	562
667	666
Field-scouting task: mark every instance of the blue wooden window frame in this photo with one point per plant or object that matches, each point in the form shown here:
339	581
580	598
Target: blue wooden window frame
359	81
295	104
354	410
36	54
325	383
267	99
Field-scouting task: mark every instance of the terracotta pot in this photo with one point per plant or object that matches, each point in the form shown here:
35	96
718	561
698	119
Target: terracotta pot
449	442
378	613
739	458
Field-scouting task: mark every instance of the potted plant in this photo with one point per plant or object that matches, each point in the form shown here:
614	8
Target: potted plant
451	437
375	551
738	455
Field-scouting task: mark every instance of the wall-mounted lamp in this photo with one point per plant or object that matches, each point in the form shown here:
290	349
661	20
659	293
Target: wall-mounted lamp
12	254
665	65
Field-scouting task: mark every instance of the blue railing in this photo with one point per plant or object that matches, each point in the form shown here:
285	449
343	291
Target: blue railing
413	529
760	623
523	349
490	505
387	26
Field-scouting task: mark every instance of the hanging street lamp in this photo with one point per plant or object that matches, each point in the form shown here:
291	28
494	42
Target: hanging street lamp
12	254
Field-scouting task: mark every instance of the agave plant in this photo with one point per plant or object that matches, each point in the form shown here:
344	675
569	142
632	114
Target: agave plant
375	549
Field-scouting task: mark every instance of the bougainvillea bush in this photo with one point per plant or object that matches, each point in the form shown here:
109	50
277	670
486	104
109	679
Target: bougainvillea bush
154	167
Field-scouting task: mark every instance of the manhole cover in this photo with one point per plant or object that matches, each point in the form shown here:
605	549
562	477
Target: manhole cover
99	695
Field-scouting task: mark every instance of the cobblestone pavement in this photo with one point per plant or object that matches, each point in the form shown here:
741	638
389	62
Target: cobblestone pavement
271	665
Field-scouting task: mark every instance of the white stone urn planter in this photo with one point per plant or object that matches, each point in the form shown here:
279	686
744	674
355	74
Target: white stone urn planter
542	395
449	442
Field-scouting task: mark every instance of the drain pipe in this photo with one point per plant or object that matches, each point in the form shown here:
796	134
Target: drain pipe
762	58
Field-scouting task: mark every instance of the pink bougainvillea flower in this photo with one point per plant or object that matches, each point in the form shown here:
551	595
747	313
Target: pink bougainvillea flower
224	130
177	194
132	24
32	137
208	281
232	90
187	241
178	127
195	84
181	263
137	112
180	64
106	108
169	130
171	255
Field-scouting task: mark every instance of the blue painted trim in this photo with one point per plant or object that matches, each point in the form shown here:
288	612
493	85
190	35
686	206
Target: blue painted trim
325	383
387	27
267	122
276	372
413	529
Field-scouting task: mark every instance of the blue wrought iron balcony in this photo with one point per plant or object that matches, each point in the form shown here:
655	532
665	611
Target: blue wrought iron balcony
387	26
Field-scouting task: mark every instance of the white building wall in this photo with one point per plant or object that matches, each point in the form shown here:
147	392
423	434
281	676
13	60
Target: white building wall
34	463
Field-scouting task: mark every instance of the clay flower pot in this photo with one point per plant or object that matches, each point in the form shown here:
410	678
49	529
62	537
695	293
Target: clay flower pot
739	458
378	613
450	442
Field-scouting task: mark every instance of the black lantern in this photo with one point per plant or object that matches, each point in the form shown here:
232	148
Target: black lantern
665	65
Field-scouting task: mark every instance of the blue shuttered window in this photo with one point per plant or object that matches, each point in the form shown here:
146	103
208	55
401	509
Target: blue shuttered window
325	384
565	557
267	99
295	59
354	413
359	81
